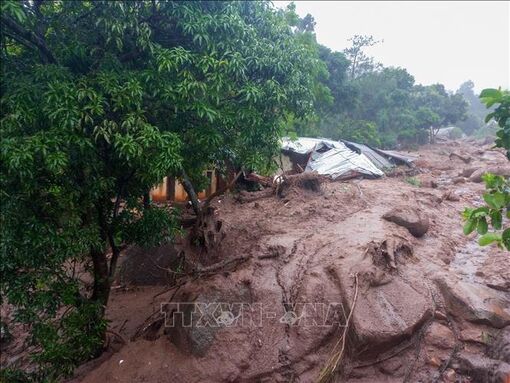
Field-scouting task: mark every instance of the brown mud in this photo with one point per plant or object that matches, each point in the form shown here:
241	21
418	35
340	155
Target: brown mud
428	308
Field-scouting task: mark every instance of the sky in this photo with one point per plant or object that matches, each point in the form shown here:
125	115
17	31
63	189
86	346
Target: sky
445	42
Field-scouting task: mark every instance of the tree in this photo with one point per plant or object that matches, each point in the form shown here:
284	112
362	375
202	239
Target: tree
497	197
476	110
447	107
92	118
360	63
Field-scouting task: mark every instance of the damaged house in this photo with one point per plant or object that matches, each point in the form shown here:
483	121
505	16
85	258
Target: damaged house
339	159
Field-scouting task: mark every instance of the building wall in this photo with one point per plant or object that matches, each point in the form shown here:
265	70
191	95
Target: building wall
163	191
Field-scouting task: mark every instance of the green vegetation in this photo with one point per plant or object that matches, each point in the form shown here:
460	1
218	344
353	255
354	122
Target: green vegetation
413	181
373	104
100	101
497	198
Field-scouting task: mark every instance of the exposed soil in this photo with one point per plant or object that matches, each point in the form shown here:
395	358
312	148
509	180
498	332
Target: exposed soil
424	309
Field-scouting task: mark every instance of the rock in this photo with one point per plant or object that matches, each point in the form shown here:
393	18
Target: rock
475	334
458	180
450	195
450	375
427	181
440	336
498	170
411	218
392	367
500	347
146	267
476	303
482	368
192	326
468	171
384	315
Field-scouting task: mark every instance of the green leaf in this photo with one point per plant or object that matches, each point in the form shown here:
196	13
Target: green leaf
482	226
505	236
490	93
489	200
496	219
488	238
469	227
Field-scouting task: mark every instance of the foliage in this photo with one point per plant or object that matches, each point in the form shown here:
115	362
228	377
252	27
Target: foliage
501	114
497	196
360	62
497	199
413	181
476	109
100	101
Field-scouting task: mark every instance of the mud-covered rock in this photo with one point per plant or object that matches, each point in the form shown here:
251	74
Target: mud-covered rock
146	267
500	347
440	336
466	172
192	324
476	303
384	315
414	220
498	170
481	368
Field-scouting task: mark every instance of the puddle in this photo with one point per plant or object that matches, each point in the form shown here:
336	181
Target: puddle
468	260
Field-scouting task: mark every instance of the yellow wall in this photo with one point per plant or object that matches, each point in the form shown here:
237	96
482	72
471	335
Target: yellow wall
159	193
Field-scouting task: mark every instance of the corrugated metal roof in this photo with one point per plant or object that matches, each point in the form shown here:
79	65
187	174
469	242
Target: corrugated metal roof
332	158
377	159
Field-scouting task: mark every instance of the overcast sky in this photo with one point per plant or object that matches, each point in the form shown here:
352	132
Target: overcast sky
441	41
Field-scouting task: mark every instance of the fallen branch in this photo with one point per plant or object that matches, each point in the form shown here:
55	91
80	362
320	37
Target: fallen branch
332	364
116	334
220	265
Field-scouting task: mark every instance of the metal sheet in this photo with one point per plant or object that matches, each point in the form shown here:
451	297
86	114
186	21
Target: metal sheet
378	160
342	162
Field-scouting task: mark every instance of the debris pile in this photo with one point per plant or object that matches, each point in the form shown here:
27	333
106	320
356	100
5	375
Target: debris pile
340	159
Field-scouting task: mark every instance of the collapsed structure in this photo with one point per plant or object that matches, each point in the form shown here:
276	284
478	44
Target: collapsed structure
339	159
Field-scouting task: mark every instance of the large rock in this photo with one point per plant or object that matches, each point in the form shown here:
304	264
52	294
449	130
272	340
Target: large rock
498	170
500	347
193	319
412	219
384	315
149	267
476	303
482	368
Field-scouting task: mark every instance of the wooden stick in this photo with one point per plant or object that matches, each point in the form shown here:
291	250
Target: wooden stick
332	364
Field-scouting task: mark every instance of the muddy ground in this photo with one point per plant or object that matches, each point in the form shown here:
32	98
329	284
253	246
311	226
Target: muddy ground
297	269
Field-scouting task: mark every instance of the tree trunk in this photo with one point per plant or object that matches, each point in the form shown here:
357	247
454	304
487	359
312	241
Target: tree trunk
147	200
102	282
192	195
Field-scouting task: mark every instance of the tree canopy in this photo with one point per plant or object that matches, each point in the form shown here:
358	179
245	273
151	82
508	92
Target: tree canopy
100	101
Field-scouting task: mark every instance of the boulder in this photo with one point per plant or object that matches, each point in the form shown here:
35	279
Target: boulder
468	171
500	347
427	181
481	368
440	336
475	302
192	323
411	218
384	315
149	267
498	170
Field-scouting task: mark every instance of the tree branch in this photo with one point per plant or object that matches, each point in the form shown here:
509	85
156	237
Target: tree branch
31	37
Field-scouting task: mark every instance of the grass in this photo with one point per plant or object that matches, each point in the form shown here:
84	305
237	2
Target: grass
413	181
